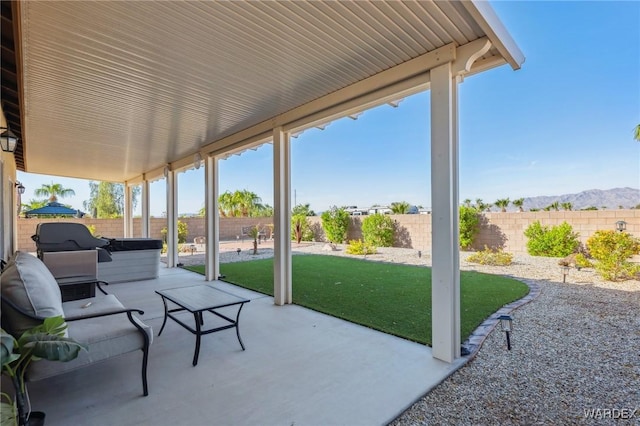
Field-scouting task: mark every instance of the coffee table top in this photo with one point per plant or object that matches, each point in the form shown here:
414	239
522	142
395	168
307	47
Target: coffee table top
201	297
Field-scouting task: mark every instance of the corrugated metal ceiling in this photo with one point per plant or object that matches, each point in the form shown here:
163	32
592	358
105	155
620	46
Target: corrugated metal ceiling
114	89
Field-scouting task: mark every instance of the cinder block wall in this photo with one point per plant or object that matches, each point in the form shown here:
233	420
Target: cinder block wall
504	230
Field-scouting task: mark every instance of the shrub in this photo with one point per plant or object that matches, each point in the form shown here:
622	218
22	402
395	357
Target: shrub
377	230
301	228
491	257
360	247
335	223
582	261
612	250
469	225
555	241
183	231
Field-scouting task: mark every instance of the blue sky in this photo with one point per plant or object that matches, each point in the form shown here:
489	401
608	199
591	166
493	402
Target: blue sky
562	124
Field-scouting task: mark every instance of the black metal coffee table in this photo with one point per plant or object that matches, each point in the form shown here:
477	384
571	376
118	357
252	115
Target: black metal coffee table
198	299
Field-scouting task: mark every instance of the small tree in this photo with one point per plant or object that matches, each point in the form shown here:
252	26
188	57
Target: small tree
377	230
612	250
254	233
183	231
469	225
519	203
335	223
502	203
400	207
301	228
555	241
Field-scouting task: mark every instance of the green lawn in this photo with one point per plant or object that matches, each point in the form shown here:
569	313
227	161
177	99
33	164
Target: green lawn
392	298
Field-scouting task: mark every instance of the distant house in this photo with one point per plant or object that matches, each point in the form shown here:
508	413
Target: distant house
380	209
355	211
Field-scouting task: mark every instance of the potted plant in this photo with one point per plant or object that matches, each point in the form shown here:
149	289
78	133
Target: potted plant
45	341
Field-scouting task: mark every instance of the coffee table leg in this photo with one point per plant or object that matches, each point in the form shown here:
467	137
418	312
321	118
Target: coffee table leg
238	326
166	313
197	316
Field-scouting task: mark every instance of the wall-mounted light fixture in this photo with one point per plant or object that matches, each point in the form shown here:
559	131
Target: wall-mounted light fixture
19	188
197	159
8	140
621	226
506	322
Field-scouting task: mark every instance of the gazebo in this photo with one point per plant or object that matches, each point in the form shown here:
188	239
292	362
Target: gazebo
54	208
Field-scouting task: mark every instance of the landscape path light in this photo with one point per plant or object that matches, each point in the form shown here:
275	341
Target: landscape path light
506	322
565	272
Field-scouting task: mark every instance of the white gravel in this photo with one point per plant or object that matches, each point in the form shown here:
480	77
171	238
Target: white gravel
575	351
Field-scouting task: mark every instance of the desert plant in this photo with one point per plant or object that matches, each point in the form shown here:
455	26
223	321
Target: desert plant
555	241
612	250
360	248
469	225
491	257
582	261
335	223
301	228
377	230
44	341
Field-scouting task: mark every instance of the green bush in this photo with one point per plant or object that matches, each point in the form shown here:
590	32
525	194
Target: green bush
491	257
360	247
377	230
555	241
612	250
183	231
335	223
469	225
582	261
301	228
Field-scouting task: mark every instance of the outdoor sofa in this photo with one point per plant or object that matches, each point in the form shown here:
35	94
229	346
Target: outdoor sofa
30	293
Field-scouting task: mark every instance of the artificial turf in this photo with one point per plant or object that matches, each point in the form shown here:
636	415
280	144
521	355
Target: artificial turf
392	298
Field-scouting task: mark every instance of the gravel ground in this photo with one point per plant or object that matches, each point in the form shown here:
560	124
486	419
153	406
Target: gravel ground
575	350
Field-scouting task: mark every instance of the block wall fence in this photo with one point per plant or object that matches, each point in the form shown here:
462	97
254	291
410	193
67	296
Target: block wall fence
504	230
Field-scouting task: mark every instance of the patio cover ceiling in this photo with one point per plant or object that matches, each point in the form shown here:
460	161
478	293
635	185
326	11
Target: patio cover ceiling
112	90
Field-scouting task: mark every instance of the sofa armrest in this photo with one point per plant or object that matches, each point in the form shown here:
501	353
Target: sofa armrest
76	310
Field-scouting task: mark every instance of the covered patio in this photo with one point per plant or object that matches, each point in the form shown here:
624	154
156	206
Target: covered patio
299	367
133	92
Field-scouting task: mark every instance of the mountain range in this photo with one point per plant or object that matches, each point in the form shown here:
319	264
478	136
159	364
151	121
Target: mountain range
609	198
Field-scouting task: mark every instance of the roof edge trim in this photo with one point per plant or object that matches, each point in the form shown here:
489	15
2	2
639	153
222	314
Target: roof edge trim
493	27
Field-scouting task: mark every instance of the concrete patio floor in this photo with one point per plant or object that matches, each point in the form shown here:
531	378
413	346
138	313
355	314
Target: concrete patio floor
300	367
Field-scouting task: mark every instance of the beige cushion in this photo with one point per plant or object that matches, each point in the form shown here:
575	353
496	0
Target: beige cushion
27	283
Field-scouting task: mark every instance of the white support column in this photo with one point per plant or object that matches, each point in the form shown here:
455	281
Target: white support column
172	219
445	275
282	276
145	204
212	259
128	211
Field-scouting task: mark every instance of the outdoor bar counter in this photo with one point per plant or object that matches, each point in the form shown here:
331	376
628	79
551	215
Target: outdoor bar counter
133	259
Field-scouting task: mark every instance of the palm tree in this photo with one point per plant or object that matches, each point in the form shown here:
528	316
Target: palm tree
555	206
467	202
567	206
33	204
519	203
503	203
53	191
400	207
636	133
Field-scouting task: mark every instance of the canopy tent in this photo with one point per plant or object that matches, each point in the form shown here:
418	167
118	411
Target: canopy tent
53	208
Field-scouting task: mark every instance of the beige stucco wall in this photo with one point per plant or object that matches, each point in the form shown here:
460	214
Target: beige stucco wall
8	199
504	230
